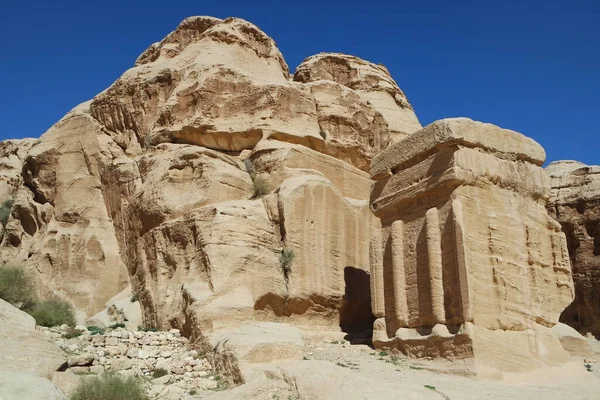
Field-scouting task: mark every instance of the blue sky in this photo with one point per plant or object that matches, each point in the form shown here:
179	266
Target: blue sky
531	66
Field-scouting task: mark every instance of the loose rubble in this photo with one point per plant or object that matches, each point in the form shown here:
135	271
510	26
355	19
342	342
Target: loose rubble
166	361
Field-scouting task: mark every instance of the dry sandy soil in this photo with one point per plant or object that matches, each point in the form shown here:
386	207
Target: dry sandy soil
340	370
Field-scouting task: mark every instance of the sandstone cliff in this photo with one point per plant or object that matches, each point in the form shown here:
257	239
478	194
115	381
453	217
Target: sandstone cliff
575	203
194	172
230	194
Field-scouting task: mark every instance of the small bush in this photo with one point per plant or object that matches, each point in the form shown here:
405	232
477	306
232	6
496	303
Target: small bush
53	313
117	325
249	167
260	186
135	298
193	392
430	387
146	329
109	387
383	353
148	141
96	330
72	333
5	210
158	372
286	258
323	134
16	287
588	367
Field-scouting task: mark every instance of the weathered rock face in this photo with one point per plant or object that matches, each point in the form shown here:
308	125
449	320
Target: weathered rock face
147	183
371	82
60	227
230	195
575	203
467	255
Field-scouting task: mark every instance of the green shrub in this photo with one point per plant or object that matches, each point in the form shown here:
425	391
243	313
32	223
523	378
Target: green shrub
96	330
53	313
260	187
286	258
117	325
135	298
109	387
5	210
72	333
146	329
249	167
323	134
430	387
16	287
158	372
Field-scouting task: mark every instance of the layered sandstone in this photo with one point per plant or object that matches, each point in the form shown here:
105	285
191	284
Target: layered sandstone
575	203
227	194
153	183
468	264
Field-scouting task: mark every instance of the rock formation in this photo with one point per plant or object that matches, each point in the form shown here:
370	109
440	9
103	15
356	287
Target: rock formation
227	195
196	171
28	358
575	203
467	264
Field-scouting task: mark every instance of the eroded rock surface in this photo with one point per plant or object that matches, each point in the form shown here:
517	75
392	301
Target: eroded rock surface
153	181
232	199
575	203
468	264
24	349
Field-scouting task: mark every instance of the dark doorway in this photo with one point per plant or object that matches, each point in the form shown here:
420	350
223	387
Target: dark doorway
356	318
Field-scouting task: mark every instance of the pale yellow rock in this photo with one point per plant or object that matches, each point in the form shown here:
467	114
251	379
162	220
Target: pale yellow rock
222	84
125	301
262	342
24	349
353	130
181	178
64	232
276	161
371	82
12	156
15	385
330	236
572	341
210	268
484	271
503	143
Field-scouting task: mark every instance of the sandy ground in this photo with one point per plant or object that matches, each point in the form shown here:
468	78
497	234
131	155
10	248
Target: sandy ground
338	370
568	383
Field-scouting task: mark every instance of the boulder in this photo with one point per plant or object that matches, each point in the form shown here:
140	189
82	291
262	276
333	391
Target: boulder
15	385
261	342
572	341
25	349
125	301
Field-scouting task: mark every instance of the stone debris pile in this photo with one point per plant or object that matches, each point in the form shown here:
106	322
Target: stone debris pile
166	361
